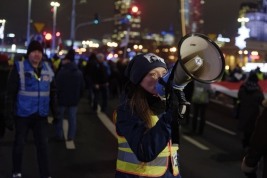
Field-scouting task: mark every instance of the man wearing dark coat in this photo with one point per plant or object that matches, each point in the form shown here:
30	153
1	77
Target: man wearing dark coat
70	85
258	146
251	97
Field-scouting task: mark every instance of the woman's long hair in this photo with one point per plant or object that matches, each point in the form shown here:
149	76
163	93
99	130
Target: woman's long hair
138	102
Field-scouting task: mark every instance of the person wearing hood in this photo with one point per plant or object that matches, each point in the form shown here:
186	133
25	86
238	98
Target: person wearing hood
250	96
70	86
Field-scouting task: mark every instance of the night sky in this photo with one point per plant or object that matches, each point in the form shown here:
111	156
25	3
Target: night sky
220	16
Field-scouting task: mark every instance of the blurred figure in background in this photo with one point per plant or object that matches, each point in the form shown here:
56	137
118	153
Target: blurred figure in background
100	80
4	71
114	79
70	86
200	99
88	73
250	96
237	74
258	146
121	66
56	62
259	73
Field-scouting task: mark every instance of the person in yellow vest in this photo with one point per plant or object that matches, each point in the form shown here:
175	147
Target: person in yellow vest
56	61
259	73
143	124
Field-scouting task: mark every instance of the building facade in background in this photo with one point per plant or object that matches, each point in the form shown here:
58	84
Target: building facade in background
124	26
193	13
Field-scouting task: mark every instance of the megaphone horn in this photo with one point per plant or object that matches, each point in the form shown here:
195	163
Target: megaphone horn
199	58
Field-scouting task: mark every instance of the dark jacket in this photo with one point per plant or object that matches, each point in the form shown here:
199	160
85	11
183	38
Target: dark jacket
258	143
250	102
70	85
4	71
11	96
100	73
145	145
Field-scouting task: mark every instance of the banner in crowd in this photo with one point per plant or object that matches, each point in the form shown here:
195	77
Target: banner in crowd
231	88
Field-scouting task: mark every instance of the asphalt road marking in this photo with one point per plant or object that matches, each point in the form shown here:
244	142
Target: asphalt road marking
107	122
196	143
69	144
217	127
220	128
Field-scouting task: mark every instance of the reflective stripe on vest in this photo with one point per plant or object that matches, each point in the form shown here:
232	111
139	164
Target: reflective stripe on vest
127	161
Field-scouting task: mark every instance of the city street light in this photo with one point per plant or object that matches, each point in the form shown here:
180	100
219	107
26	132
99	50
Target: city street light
72	28
2	34
29	22
55	5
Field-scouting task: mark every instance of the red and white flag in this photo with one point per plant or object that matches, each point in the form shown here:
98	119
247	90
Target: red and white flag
231	88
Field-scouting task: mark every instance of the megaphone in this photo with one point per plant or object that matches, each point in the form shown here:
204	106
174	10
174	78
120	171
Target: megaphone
199	58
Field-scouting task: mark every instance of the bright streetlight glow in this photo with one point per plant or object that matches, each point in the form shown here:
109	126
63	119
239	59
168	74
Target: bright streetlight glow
134	9
254	53
243	19
173	49
112	44
55	4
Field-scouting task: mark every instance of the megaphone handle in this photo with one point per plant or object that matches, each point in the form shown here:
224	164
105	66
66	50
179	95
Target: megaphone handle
178	114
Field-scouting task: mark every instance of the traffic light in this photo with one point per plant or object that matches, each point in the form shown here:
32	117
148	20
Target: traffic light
48	40
133	11
96	20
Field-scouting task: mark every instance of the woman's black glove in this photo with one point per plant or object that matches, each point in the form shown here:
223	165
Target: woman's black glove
176	102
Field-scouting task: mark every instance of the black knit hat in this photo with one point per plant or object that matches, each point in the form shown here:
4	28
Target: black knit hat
33	46
141	64
70	55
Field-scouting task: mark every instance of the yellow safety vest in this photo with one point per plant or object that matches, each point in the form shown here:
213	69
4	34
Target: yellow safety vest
127	161
55	62
11	61
84	63
260	76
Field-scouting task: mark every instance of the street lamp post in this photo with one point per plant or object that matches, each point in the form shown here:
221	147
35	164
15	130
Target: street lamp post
72	29
182	17
29	22
55	5
2	36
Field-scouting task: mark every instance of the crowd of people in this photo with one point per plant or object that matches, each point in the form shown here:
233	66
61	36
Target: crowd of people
35	86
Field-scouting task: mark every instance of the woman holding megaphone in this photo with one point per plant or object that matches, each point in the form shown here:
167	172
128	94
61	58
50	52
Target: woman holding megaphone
143	124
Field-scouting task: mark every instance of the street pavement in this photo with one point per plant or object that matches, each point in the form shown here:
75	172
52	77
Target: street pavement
215	154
